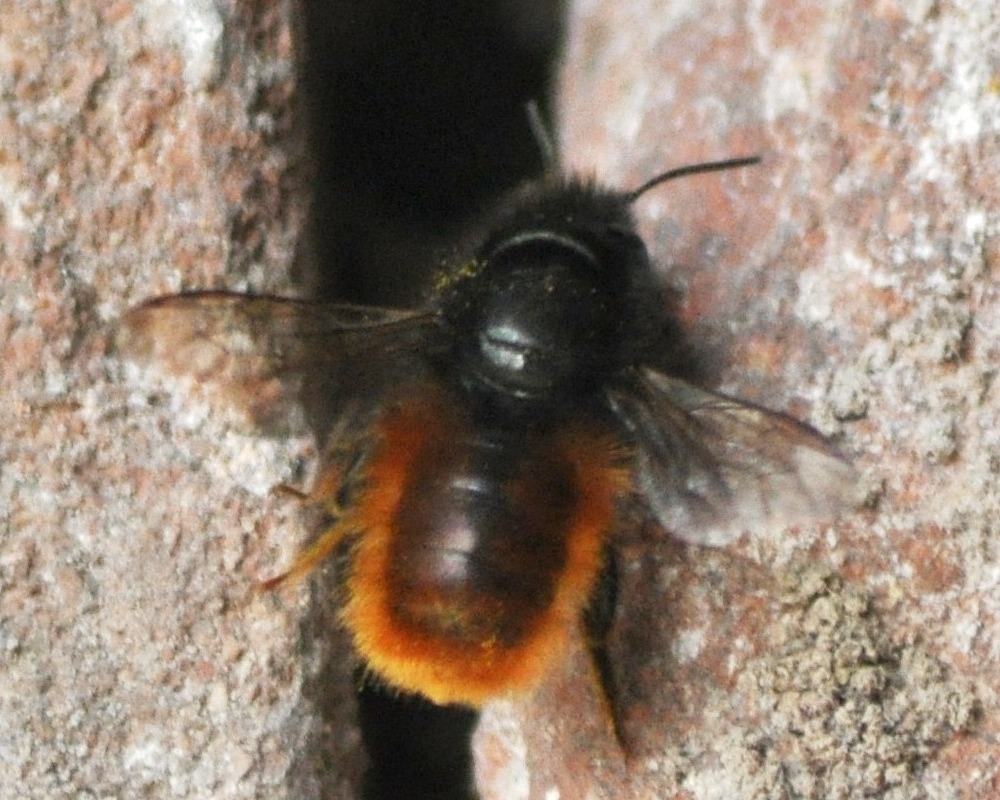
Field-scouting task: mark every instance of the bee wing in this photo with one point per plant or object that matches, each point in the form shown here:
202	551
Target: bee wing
711	467
259	356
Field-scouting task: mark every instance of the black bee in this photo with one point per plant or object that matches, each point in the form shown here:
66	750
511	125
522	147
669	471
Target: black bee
486	439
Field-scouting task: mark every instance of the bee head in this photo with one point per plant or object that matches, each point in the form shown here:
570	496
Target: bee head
549	299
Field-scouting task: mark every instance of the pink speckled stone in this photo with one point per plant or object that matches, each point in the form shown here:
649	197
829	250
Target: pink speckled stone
146	147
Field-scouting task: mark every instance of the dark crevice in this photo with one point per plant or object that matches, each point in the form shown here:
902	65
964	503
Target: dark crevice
417	120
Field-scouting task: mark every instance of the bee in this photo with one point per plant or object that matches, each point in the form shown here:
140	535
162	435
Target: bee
482	445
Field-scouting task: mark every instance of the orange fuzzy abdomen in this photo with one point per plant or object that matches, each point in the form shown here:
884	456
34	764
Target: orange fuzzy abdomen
479	550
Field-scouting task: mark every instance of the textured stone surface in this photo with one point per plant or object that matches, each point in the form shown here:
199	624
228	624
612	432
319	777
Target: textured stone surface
850	279
146	147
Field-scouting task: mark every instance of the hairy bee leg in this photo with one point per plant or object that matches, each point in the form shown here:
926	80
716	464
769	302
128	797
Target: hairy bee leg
332	492
598	619
325	493
288	490
312	555
343	461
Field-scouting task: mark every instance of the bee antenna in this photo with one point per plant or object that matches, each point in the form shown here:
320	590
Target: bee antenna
690	169
542	136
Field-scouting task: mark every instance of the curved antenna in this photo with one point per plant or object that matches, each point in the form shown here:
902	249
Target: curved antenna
690	169
542	136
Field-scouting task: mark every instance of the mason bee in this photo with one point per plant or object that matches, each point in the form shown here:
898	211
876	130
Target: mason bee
485	441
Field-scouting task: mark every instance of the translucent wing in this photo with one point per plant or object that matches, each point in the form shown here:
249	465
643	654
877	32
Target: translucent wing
711	467
259	356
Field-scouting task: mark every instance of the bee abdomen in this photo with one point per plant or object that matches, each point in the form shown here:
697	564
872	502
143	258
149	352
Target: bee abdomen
479	549
480	543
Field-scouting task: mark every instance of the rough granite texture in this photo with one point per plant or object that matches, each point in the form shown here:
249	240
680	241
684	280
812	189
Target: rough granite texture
146	147
850	279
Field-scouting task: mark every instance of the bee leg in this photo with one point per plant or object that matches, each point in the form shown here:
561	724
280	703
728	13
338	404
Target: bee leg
598	619
343	465
325	493
286	490
325	544
333	492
